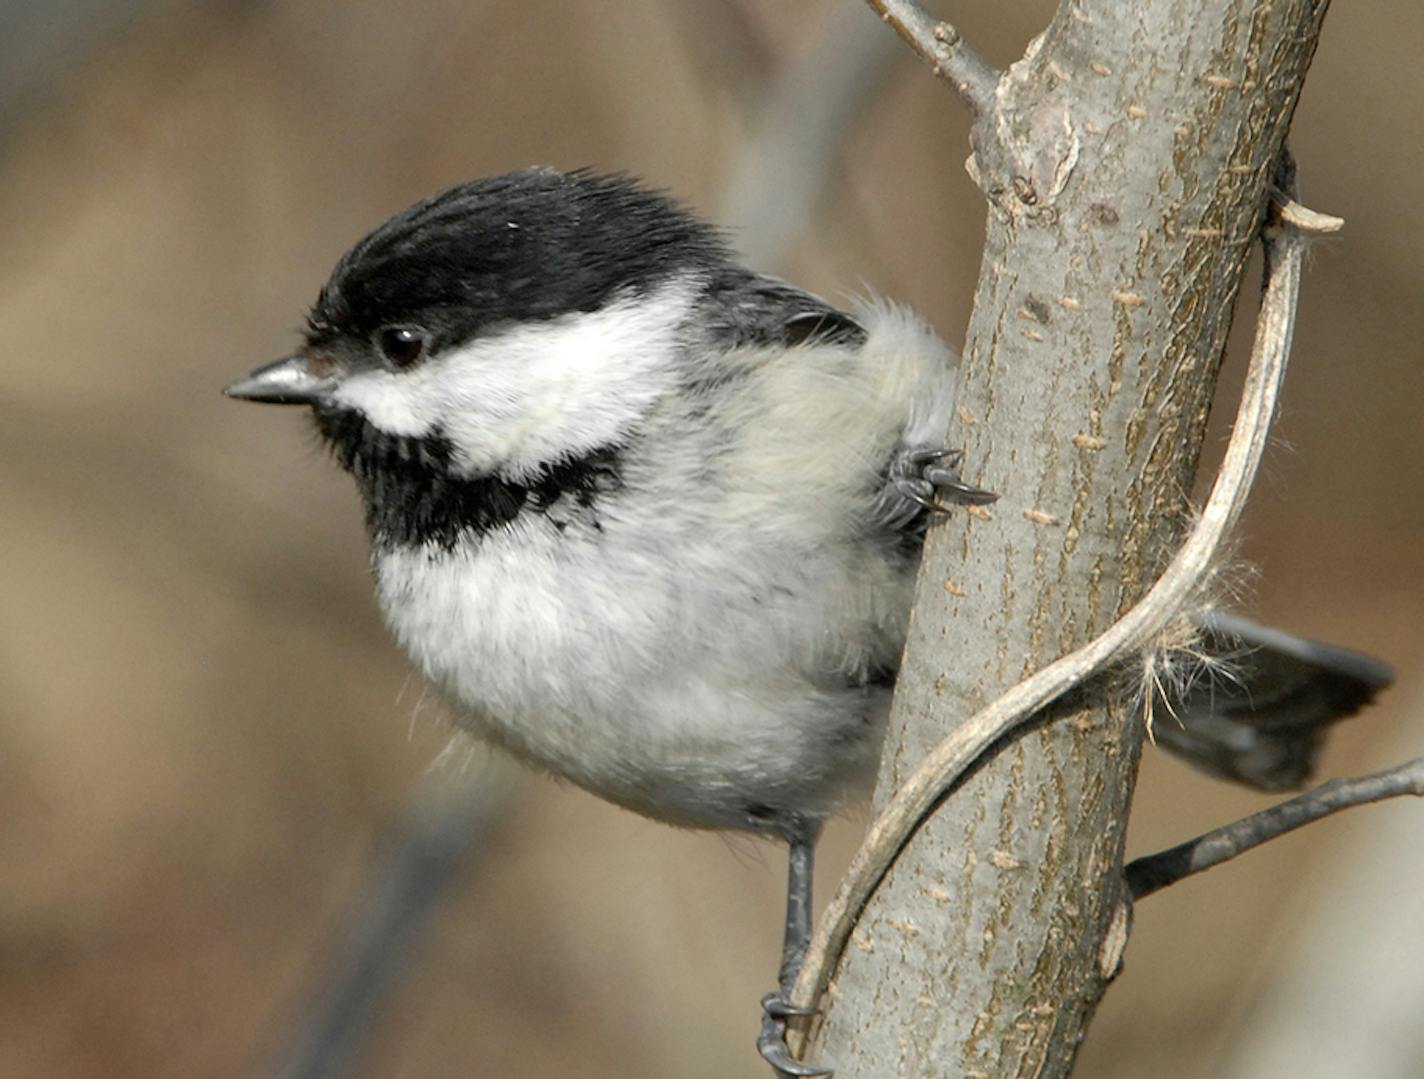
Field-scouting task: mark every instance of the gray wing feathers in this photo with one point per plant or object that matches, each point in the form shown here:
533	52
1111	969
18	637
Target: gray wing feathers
1265	725
749	309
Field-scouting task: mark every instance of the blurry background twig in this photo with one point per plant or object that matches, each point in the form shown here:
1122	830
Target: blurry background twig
798	125
452	815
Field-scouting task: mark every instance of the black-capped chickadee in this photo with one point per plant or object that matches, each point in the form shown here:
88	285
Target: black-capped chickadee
650	519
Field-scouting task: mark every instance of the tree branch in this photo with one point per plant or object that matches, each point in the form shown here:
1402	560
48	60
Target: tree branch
1128	158
942	47
1153	872
894	827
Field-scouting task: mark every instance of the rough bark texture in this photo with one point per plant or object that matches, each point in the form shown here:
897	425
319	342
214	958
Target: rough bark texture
1127	160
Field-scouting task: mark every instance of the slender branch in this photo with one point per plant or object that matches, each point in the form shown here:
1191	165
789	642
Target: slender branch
1153	872
447	823
940	45
802	121
892	829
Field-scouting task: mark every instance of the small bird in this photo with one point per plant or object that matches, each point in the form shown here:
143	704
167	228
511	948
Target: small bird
651	520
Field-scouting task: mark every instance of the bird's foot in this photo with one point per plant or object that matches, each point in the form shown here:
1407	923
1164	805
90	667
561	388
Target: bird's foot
771	1042
926	477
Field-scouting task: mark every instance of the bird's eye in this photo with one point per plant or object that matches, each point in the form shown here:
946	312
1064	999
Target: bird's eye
401	345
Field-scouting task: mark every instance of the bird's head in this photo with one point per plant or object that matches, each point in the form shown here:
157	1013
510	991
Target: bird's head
501	329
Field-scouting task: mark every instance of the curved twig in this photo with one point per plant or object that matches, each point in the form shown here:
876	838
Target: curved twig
1153	872
892	829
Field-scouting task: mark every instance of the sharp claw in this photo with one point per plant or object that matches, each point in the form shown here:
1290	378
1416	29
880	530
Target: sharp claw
771	1044
777	1006
941	477
925	457
930	478
964	494
948	483
951	486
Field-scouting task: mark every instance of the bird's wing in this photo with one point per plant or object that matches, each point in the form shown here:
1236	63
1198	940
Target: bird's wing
750	310
753	311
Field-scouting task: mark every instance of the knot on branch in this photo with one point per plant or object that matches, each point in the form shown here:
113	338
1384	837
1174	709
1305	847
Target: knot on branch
1027	142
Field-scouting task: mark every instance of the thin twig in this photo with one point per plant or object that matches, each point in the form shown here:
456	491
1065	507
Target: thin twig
1153	872
803	120
940	45
446	824
899	820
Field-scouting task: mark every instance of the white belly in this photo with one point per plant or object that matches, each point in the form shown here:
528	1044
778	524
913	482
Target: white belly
619	678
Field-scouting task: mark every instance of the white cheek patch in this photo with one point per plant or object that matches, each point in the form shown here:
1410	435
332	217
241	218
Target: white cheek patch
399	404
538	392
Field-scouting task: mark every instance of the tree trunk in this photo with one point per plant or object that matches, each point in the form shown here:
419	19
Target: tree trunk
1127	159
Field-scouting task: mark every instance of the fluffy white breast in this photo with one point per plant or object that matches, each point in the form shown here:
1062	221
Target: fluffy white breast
695	651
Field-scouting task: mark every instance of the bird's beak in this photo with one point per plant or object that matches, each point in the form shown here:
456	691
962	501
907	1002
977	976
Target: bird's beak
285	382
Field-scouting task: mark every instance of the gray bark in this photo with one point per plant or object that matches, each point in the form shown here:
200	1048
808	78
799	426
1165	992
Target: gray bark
1127	160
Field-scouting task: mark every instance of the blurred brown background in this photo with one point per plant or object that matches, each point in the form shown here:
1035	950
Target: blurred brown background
206	739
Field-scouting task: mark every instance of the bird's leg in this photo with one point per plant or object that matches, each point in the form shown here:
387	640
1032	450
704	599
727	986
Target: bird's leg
921	475
776	1006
